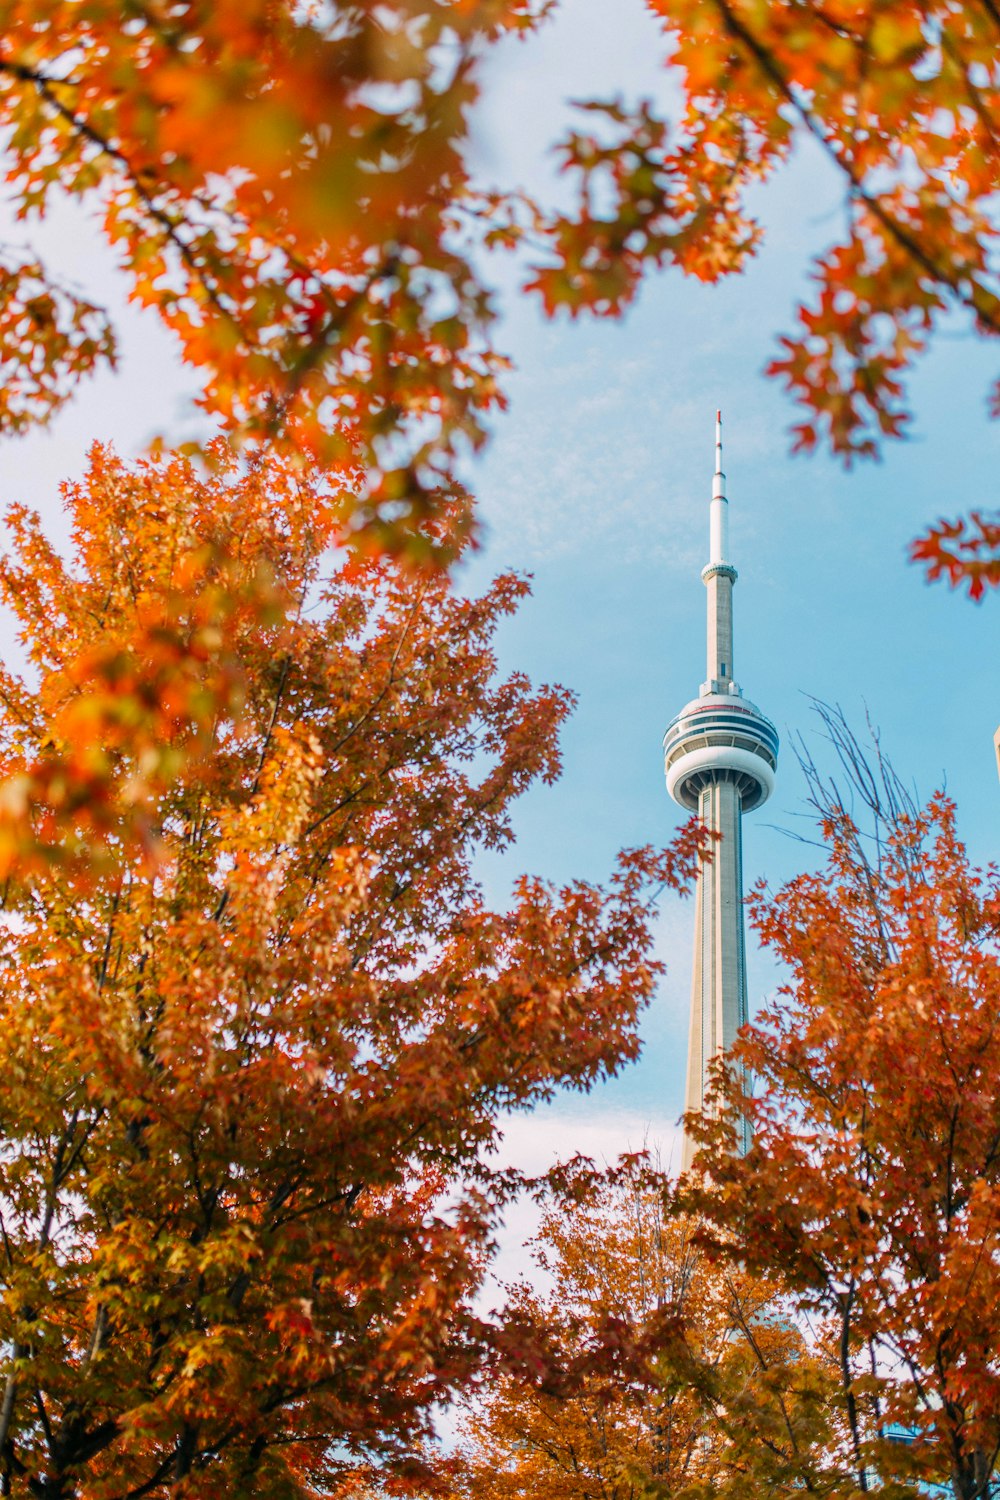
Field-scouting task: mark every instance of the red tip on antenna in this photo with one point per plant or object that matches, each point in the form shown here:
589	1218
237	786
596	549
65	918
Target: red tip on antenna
718	416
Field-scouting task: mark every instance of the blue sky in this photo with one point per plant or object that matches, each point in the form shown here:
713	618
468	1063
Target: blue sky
598	481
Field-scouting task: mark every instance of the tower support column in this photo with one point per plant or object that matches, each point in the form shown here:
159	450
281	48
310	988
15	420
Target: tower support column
719	985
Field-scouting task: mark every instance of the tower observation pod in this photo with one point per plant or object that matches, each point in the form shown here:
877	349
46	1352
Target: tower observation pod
720	756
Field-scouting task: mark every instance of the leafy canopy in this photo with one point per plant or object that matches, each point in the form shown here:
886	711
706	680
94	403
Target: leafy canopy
257	1021
655	1371
288	186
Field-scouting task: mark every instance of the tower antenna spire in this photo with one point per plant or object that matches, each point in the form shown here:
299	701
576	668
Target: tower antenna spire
719	512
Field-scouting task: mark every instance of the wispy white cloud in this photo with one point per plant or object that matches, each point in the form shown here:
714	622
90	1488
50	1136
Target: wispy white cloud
602	452
534	1143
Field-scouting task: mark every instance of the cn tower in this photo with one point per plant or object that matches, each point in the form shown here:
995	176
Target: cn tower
720	756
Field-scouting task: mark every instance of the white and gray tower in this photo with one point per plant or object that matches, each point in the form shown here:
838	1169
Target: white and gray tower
720	756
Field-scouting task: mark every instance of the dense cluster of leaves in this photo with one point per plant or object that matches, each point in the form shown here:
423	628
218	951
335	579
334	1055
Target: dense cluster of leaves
288	186
903	98
253	1059
659	1373
280	182
872	1185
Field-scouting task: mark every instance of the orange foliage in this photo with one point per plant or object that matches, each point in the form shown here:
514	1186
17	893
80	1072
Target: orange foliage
903	97
872	1184
654	1372
287	186
254	1046
282	184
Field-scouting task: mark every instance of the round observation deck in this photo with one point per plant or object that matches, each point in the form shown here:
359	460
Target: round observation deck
720	737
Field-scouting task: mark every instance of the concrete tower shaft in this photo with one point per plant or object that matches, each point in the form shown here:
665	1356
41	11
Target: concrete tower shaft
718	987
720	756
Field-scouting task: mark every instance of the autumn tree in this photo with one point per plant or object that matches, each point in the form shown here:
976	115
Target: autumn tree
257	1021
654	1372
287	186
872	1184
